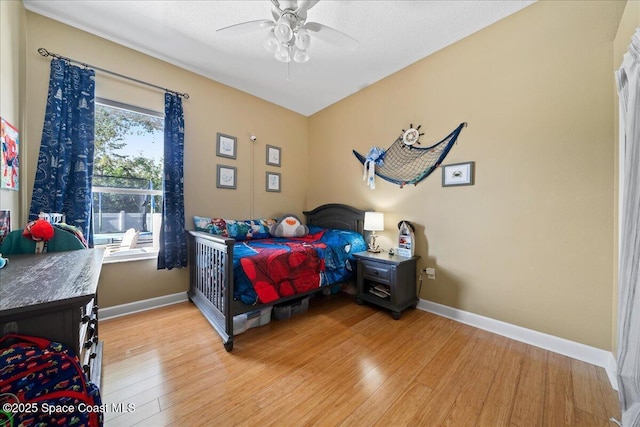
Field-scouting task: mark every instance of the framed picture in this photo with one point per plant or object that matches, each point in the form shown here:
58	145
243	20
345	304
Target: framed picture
458	174
226	145
273	155
273	182
226	176
9	150
5	223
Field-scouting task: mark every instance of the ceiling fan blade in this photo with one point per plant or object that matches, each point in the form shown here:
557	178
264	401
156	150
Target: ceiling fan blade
332	36
303	7
247	27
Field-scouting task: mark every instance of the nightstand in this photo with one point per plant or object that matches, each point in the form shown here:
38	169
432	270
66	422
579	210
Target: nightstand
387	281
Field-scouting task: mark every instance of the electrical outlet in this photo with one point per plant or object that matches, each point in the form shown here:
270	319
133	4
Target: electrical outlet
431	273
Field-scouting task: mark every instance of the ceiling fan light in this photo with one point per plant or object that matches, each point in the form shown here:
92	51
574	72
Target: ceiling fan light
301	56
271	43
283	32
303	39
283	55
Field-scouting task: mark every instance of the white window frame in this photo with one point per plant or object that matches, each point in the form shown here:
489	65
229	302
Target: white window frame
145	251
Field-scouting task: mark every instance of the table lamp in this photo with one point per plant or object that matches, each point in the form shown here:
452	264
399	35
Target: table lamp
373	221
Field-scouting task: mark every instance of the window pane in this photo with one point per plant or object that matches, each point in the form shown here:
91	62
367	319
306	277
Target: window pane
127	177
116	213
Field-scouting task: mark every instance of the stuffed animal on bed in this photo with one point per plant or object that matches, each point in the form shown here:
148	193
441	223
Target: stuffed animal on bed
288	226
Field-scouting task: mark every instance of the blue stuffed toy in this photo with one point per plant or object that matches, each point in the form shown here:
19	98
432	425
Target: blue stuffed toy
3	261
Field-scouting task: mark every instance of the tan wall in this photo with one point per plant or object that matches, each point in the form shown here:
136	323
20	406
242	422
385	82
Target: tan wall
211	108
530	243
12	45
629	22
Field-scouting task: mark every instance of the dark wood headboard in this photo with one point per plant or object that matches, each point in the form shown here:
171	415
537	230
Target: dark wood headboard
336	215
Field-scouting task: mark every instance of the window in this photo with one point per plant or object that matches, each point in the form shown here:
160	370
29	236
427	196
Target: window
127	173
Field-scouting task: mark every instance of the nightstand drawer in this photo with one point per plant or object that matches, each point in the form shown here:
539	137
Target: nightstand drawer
387	281
377	271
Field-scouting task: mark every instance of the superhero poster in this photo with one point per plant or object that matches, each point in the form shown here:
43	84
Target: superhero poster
9	159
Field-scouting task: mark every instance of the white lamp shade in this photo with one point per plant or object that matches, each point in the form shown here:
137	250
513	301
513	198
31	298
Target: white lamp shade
271	43
283	33
301	56
373	221
283	55
284	28
303	39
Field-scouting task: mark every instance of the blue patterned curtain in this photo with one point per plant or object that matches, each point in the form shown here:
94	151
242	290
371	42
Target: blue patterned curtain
173	241
65	163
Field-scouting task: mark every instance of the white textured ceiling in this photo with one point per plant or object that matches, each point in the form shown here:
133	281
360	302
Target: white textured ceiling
392	35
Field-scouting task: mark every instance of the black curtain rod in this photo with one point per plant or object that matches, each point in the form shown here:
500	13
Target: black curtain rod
44	52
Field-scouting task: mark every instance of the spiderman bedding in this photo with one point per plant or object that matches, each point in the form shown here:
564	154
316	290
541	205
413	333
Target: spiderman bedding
266	270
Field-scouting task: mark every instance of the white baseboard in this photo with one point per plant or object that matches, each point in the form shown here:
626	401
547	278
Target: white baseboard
612	369
595	356
592	355
137	306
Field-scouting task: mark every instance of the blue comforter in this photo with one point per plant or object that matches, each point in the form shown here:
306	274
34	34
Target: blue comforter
266	270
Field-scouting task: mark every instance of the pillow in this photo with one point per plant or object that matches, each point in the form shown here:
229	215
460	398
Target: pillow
210	225
289	226
249	229
238	230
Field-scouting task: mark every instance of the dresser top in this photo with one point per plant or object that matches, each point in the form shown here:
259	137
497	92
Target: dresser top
32	281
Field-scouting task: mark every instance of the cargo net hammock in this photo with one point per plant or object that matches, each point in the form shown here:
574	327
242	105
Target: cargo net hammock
405	164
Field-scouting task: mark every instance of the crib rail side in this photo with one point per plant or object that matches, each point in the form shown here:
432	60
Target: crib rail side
211	281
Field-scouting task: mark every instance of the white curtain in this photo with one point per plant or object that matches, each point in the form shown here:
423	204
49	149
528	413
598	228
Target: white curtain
628	80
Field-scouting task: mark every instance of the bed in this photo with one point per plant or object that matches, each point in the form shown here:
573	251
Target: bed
221	268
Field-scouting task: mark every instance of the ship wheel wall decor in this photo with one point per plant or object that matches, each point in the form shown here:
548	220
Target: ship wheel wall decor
404	163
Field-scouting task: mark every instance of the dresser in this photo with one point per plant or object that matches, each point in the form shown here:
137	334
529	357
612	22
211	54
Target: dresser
54	296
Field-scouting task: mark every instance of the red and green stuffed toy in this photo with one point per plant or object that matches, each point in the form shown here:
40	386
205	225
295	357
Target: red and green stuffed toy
41	231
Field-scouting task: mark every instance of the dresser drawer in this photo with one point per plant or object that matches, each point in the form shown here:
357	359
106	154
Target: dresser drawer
89	308
88	323
88	336
88	353
377	271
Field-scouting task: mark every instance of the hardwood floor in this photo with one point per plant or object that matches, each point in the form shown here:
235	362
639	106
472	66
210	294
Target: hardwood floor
341	364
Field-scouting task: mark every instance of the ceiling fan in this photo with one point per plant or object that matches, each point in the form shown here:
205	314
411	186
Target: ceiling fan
289	36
